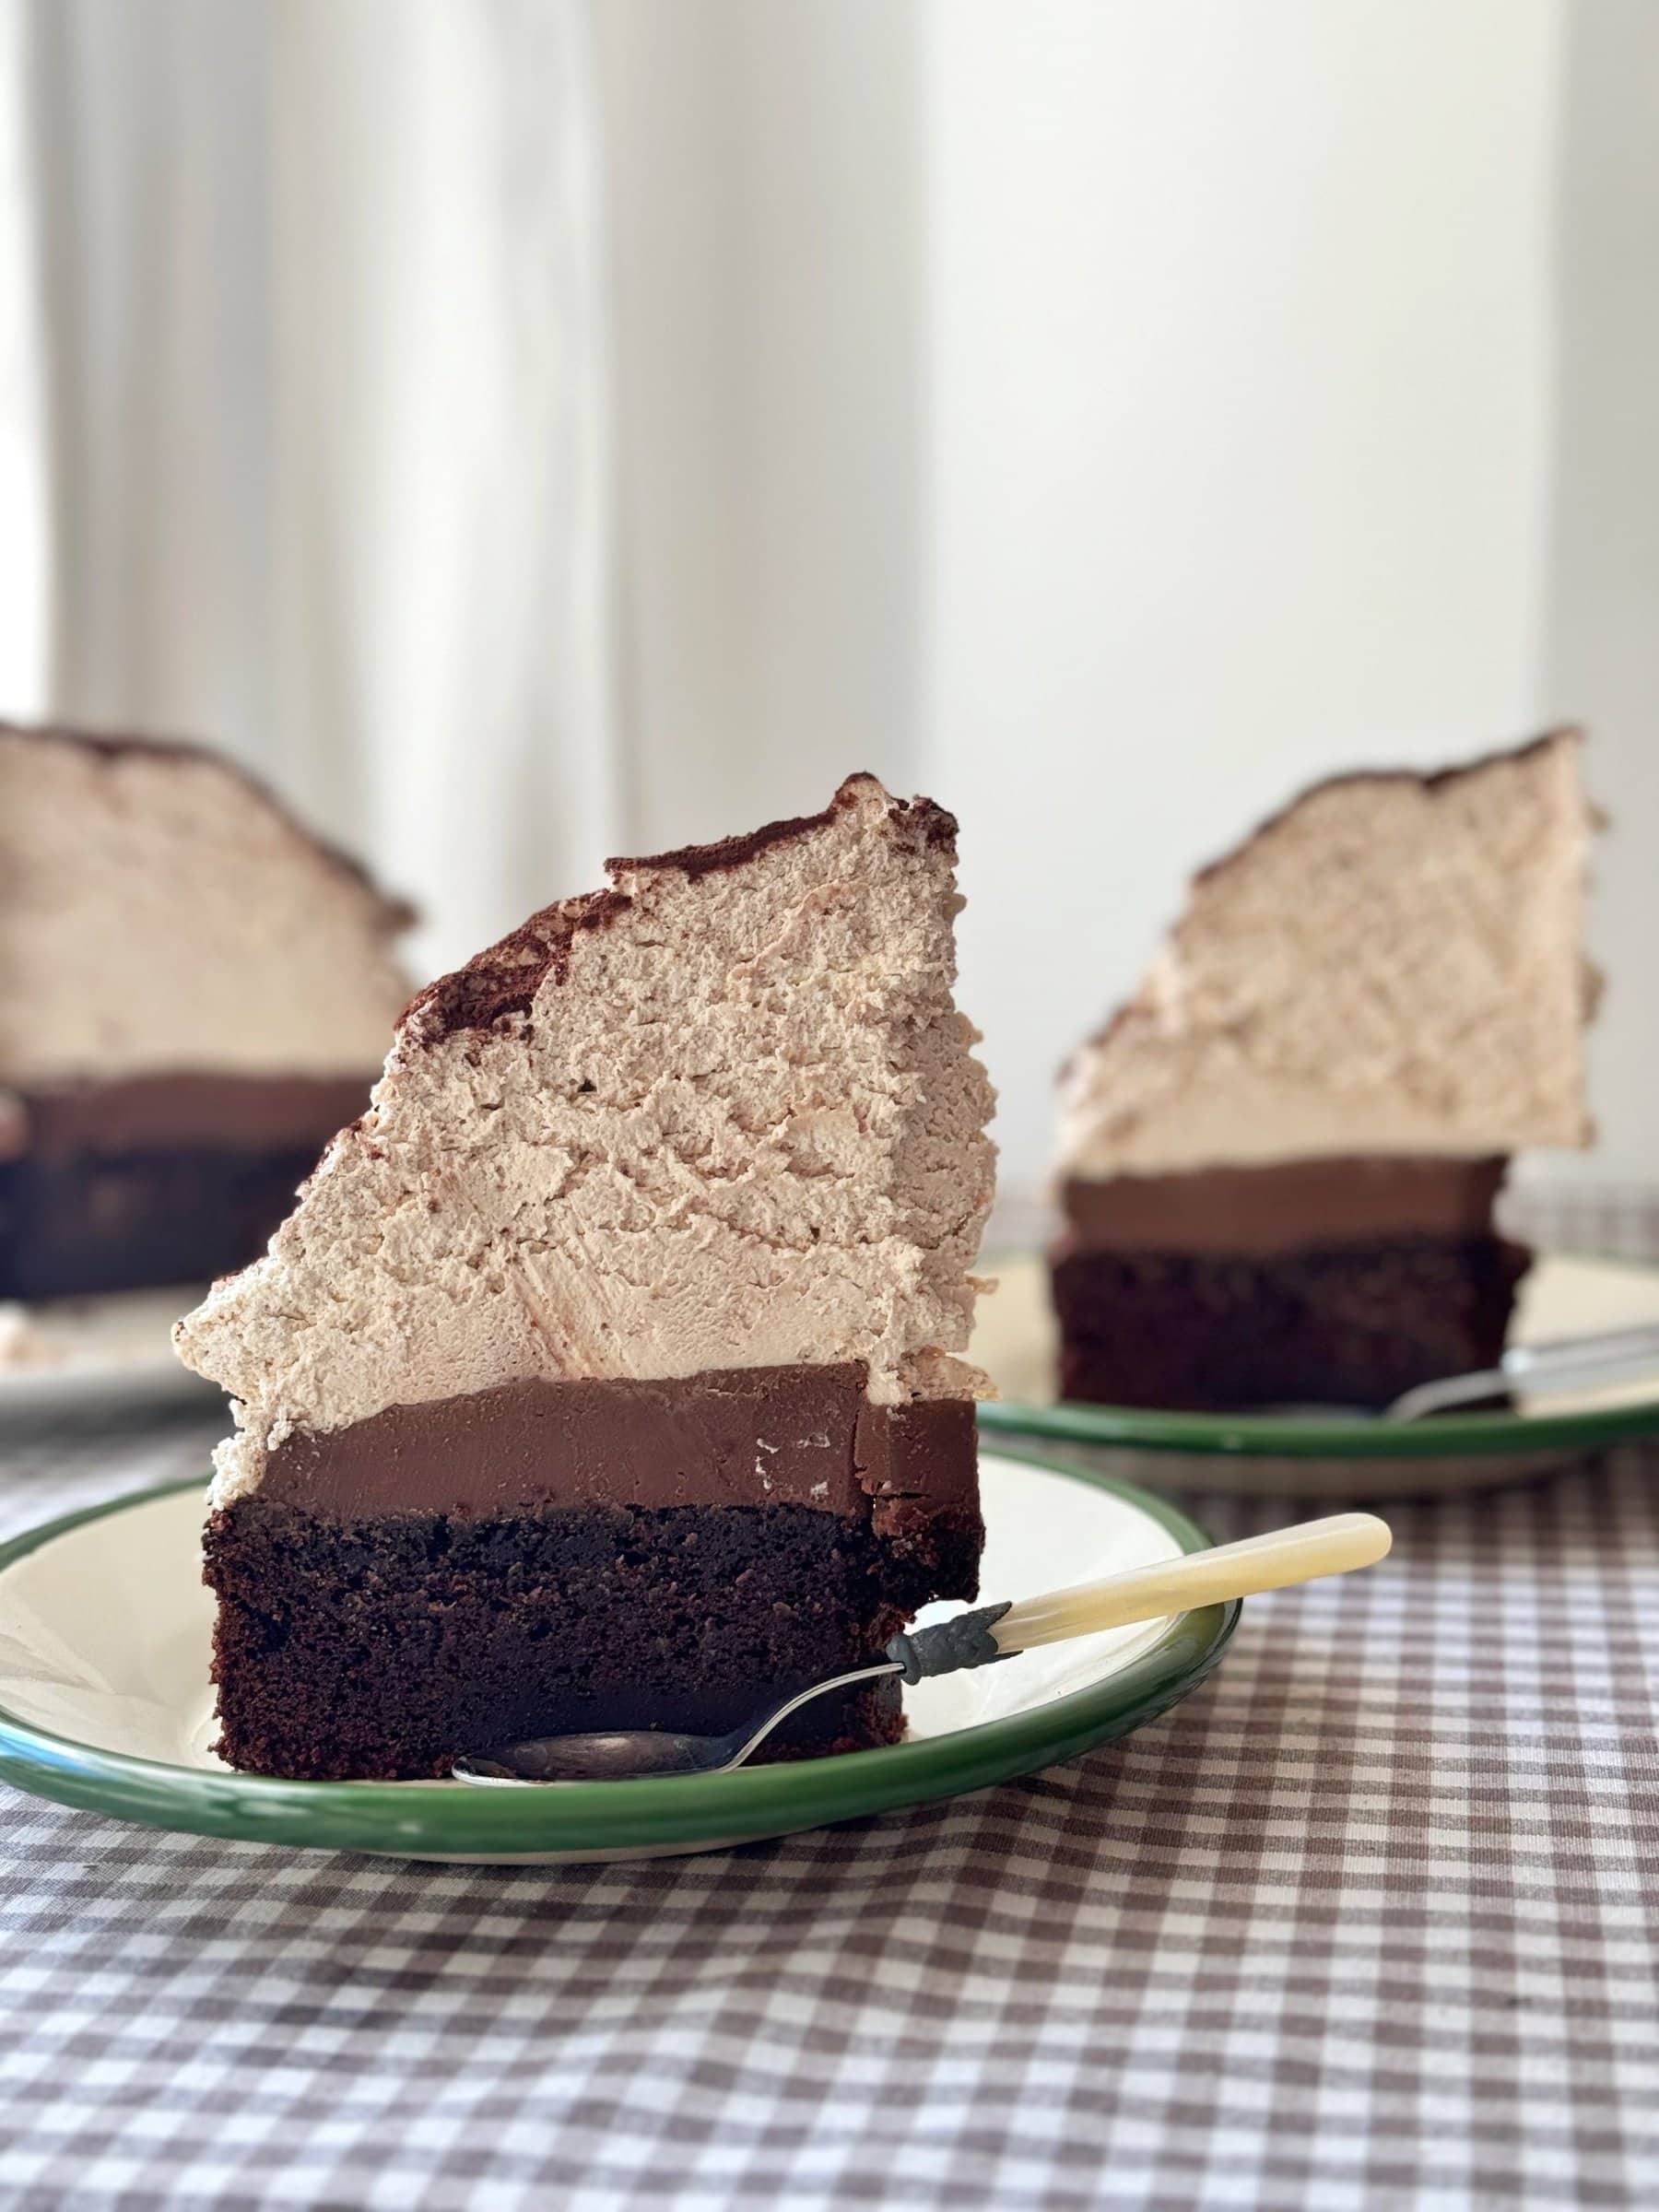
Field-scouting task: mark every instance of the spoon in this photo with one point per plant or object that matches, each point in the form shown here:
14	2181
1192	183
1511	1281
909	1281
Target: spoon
1554	1365
990	1632
1559	1363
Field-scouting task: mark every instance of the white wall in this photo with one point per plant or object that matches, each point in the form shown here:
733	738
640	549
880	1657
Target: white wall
322	334
1603	629
22	485
767	243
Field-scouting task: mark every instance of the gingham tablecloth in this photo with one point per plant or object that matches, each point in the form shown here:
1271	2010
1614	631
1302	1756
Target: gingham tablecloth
1368	1921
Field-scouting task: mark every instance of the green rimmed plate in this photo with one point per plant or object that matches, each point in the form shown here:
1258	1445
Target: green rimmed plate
105	1703
1328	1457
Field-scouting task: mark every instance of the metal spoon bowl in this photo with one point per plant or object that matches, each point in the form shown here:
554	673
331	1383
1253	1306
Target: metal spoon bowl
629	1754
1557	1365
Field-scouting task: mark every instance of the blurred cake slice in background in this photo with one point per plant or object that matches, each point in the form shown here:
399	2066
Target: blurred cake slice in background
194	996
1279	1159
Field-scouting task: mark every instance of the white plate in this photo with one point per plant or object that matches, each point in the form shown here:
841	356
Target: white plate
105	1639
89	1353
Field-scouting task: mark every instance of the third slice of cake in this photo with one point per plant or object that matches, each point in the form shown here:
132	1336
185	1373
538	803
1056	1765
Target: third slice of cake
195	995
604	1374
1279	1159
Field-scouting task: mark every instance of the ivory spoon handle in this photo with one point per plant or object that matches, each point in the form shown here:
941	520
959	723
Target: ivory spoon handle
1335	1546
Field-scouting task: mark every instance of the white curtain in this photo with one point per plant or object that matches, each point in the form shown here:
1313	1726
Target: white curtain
22	453
324	355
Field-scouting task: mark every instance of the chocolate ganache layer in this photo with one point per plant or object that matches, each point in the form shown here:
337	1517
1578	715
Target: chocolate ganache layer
383	1647
1303	1205
149	1180
206	1110
798	1436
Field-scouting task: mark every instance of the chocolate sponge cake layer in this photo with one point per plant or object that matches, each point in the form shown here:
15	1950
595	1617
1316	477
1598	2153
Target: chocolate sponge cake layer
1354	1323
383	1649
173	1217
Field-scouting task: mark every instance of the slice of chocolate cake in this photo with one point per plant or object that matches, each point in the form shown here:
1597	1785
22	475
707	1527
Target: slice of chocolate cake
195	995
603	1374
1279	1161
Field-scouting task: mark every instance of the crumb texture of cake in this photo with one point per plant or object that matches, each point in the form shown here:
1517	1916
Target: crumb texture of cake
722	1114
1352	1322
1393	964
380	1650
607	1373
195	995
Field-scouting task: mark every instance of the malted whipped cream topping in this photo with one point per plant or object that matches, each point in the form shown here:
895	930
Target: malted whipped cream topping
1390	965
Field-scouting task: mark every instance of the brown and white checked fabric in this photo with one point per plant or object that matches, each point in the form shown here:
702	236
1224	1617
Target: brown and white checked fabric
1367	1922
1613	1219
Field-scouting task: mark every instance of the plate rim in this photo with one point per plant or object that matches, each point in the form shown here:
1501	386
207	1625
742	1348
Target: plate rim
1277	1436
434	1818
68	1386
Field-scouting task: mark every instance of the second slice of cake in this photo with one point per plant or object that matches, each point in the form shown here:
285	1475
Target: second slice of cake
604	1374
1279	1159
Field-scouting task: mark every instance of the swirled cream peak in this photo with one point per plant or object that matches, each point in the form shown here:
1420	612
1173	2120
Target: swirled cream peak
1390	965
721	1114
160	912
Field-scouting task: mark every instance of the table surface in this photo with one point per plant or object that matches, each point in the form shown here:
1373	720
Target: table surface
1368	1921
